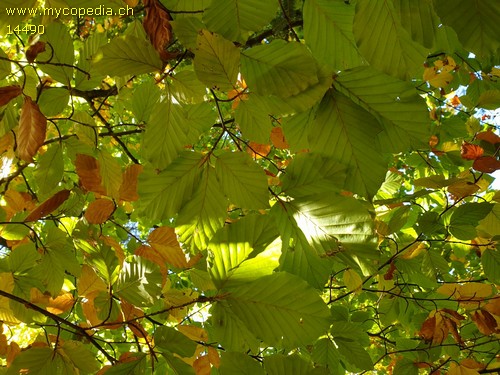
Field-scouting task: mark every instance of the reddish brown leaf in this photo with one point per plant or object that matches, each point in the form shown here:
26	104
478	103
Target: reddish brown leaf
49	206
428	328
87	169
34	50
278	138
488	136
32	129
8	93
485	322
213	356
202	365
470	151
157	25
486	164
99	211
128	188
389	275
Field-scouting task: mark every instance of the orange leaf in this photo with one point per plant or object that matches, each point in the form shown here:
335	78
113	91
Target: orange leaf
12	351
6	142
17	202
49	206
202	365
8	93
470	151
488	136
34	50
61	303
164	241
128	188
278	138
486	164
87	169
157	25
258	150
89	282
150	253
32	129
213	356
493	306
99	211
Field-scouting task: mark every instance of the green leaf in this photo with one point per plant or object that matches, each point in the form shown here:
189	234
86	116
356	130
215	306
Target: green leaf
204	214
170	339
53	101
326	353
163	193
239	363
252	116
5	67
393	102
345	132
281	309
126	55
328	32
166	134
81	358
489	99
23	259
145	101
103	259
136	365
39	361
243	181
298	256
354	353
111	173
90	47
465	219
311	173
490	259
405	366
59	55
330	221
419	20
475	22
236	252
230	331
187	88
187	30
279	68
241	17
216	61
279	364
384	42
139	282
50	169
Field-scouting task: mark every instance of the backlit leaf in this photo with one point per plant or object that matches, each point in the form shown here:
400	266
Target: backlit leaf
32	128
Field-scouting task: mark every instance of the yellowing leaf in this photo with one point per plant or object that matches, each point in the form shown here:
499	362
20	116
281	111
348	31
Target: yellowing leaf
99	211
8	93
61	303
436	78
456	369
32	128
352	280
202	365
89	282
193	332
278	138
7	285
87	169
164	241
128	189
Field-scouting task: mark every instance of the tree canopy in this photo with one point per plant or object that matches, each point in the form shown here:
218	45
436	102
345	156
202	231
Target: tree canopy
249	187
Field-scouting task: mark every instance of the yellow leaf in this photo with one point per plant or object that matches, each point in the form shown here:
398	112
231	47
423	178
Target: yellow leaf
32	129
7	285
89	282
193	332
352	280
164	241
456	369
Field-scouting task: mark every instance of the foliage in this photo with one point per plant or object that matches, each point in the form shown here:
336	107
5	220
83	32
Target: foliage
250	187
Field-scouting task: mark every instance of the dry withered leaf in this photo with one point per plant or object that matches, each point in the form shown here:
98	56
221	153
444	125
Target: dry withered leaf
99	211
34	50
32	129
8	93
485	322
157	25
48	206
486	164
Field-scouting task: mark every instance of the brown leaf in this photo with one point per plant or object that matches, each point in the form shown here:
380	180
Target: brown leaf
278	138
462	189
32	129
34	50
164	241
48	206
469	151
258	150
488	136
389	275
213	356
128	188
493	306
157	26
427	330
8	93
99	211
486	164
87	169
202	365
485	322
